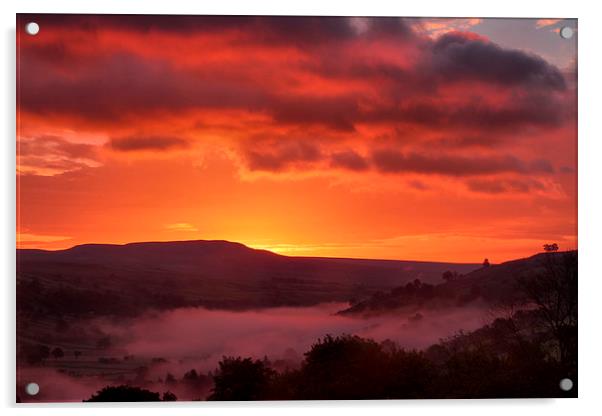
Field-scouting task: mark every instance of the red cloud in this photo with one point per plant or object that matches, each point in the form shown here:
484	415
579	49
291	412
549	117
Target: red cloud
349	160
392	161
324	89
156	143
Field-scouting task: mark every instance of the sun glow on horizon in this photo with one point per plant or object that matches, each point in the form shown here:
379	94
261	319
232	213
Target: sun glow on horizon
408	248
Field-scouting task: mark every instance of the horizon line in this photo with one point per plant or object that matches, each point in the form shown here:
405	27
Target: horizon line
267	250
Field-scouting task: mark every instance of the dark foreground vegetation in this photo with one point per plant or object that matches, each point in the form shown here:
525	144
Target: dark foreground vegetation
349	367
130	394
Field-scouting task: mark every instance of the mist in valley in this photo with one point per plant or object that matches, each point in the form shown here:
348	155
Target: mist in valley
163	344
207	335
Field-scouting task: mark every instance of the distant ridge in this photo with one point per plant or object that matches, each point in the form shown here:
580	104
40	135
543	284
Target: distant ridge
211	255
215	273
190	245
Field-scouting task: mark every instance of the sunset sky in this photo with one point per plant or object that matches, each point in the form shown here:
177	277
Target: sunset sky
417	139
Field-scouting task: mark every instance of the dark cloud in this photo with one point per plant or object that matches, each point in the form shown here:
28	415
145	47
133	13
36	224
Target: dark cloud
281	155
138	23
542	165
298	30
349	160
112	84
567	169
486	141
344	112
58	53
142	143
338	113
528	110
302	31
451	58
393	161
455	56
502	186
122	84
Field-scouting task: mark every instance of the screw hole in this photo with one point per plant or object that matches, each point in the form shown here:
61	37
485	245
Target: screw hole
32	28
566	384
32	389
566	32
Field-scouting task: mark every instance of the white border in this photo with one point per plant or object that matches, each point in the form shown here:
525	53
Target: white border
590	207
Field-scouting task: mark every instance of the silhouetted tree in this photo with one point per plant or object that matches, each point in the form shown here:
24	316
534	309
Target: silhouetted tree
124	394
408	375
191	375
486	263
57	353
241	379
548	248
168	396
343	367
554	292
449	275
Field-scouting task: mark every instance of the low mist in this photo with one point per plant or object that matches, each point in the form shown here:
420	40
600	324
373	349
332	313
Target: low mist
180	340
207	335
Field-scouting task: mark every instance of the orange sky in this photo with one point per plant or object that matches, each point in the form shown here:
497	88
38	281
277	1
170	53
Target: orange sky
374	138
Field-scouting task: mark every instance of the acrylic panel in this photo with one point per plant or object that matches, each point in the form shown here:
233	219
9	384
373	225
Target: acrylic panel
295	208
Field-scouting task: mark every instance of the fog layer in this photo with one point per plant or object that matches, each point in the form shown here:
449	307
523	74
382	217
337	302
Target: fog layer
198	333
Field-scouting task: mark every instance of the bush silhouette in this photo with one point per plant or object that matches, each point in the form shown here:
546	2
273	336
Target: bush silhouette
125	394
345	367
241	379
168	396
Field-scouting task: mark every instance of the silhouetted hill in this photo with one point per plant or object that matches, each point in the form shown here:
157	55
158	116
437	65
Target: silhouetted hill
494	285
106	278
174	256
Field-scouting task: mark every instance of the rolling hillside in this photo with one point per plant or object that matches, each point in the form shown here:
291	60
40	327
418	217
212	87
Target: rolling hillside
127	279
493	285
